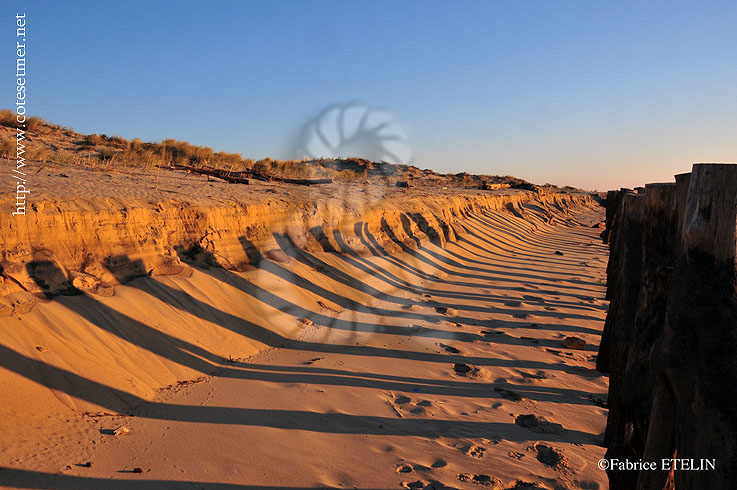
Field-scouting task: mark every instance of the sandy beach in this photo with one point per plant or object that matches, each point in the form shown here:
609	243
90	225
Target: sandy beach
430	367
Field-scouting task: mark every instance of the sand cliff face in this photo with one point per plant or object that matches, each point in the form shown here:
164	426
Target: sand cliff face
94	244
669	338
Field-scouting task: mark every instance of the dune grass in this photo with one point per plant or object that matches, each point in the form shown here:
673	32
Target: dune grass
49	142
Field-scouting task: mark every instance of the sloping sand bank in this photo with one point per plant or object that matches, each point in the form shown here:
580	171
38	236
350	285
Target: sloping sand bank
425	358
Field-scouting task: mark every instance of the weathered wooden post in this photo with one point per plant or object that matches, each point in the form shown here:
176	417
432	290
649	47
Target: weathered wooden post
694	413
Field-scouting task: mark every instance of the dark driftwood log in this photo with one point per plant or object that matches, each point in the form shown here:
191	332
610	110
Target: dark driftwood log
693	413
235	177
303	181
242	177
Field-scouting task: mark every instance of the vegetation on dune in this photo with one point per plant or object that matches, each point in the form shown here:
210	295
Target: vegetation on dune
48	142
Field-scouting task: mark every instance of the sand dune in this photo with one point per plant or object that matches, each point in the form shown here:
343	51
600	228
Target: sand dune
438	365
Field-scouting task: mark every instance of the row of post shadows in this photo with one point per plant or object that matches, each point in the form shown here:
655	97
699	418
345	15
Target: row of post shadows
258	293
422	258
481	232
328	423
441	261
357	261
289	248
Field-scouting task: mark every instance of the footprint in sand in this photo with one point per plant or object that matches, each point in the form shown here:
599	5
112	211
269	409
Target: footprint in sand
404	404
550	456
449	348
470	449
538	424
531	340
447	311
426	485
404	468
420	408
476	451
529	297
467	370
479	479
509	394
538	376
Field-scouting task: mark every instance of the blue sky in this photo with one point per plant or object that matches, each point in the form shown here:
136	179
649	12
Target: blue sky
592	94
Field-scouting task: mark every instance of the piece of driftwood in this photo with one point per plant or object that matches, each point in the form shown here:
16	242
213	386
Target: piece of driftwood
235	177
303	181
243	176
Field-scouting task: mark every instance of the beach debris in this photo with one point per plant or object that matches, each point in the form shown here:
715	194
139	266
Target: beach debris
137	470
574	343
242	176
121	431
41	349
598	401
325	306
306	322
313	360
558	252
88	464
